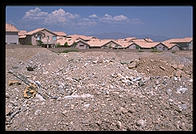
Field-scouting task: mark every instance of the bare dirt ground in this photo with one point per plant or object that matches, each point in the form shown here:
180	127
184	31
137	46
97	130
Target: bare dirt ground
98	91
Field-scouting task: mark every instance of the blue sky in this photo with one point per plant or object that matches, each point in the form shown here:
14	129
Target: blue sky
170	21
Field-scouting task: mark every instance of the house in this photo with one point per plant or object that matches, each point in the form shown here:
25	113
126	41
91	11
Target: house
97	43
81	37
111	44
160	46
133	46
172	46
183	43
22	36
80	44
11	36
143	44
60	35
43	35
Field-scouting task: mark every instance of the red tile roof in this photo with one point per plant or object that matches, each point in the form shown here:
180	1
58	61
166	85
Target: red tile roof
11	28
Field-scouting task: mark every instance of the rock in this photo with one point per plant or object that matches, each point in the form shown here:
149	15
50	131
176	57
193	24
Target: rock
182	107
175	78
8	110
64	112
174	66
169	91
30	68
179	73
119	124
162	68
181	66
86	105
38	96
141	123
37	112
123	110
137	79
13	82
156	82
181	90
72	107
38	83
132	65
140	83
15	67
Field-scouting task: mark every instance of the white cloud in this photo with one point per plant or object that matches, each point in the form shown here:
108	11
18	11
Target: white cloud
93	16
35	14
120	18
113	19
60	17
57	16
86	22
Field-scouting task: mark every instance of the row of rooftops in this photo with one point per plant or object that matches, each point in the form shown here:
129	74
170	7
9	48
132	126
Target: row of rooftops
95	42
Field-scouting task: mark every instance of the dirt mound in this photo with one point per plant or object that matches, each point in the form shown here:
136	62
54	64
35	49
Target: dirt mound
99	91
154	67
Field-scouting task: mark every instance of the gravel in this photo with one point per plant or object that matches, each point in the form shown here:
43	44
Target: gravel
100	91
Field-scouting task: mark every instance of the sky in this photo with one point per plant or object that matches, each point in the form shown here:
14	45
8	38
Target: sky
170	21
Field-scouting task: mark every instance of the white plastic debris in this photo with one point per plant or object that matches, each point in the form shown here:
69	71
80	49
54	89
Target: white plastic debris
79	96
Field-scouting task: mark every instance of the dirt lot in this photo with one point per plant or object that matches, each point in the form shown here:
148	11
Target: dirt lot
95	90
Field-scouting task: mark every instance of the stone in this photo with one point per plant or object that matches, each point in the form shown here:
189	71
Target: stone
181	66
30	68
175	78
132	65
169	91
8	110
137	79
141	123
37	112
140	83
38	96
179	73
156	82
13	82
123	110
174	66
181	90
161	67
119	124
182	107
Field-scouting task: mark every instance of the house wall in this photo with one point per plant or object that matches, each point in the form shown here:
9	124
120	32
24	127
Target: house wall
28	40
161	47
11	38
184	46
191	45
176	48
111	45
132	47
45	39
22	41
81	45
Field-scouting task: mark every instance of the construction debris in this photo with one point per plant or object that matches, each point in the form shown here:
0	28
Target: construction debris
96	91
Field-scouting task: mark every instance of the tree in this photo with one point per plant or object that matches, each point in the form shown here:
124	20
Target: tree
66	44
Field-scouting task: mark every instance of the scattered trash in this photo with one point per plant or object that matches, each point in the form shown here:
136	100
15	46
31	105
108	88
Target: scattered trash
13	82
30	91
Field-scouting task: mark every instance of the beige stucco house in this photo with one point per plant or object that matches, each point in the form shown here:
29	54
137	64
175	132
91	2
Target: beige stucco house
11	34
43	35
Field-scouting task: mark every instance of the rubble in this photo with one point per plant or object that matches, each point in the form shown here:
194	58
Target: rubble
97	91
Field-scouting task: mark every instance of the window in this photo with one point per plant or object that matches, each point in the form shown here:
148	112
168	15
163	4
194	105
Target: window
54	37
39	37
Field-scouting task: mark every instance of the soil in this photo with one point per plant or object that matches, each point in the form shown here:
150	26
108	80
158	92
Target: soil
100	90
